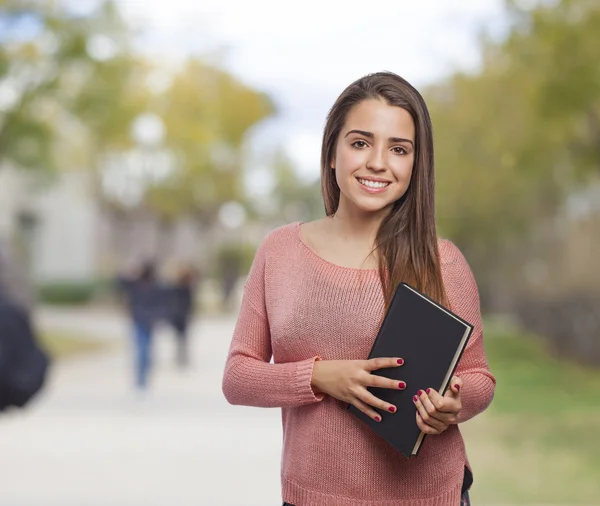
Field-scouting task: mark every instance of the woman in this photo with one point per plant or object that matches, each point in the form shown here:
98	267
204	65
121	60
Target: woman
317	293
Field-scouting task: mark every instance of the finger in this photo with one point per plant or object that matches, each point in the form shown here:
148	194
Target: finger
431	408
373	380
426	417
361	406
368	398
455	385
374	364
442	404
427	429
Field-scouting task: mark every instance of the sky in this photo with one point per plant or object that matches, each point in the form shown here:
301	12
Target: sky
303	54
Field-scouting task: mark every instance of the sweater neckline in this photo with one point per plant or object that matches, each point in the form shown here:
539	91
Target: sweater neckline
322	260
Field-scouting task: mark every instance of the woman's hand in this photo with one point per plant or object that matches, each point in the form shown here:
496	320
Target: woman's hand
436	413
347	380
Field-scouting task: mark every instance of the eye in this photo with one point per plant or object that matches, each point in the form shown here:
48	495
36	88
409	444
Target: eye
400	150
359	144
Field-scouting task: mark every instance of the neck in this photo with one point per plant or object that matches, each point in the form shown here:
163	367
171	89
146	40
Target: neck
357	226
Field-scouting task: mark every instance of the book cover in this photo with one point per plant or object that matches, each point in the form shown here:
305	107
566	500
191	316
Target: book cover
431	339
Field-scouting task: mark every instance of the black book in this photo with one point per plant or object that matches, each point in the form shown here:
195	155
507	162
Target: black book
431	339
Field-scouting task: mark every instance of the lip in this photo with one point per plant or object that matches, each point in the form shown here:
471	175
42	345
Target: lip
373	190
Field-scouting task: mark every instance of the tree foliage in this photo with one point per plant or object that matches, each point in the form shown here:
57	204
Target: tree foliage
207	113
66	80
517	137
71	87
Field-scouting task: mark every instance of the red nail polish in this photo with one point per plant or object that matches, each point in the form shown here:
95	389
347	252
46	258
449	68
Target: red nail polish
457	386
415	398
420	393
428	390
402	384
377	419
392	409
400	361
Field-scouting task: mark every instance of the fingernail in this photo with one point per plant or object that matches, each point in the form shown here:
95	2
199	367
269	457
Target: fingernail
420	393
392	409
402	384
457	386
428	390
378	419
415	398
400	361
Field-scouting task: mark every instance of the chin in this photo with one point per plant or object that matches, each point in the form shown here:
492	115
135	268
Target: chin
372	207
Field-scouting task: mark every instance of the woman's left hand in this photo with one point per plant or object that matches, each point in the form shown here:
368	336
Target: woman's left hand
436	413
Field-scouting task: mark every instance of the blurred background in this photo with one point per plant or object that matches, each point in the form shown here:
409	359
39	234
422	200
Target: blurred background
180	133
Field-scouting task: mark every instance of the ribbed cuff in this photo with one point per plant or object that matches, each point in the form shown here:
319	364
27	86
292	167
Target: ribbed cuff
305	392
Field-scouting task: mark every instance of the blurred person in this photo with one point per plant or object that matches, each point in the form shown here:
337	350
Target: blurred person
317	293
147	306
24	363
229	265
181	297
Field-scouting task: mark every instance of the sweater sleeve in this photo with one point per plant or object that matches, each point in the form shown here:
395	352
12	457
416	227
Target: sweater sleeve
473	368
249	378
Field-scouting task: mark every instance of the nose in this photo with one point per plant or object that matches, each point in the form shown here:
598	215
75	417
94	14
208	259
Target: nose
376	161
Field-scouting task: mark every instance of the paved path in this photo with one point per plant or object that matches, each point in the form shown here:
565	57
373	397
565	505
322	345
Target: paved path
88	441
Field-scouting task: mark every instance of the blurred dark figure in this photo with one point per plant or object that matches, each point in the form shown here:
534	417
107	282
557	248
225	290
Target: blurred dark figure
229	267
182	304
146	301
24	363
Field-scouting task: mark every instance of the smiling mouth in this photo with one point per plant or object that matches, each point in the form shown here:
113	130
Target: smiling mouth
373	184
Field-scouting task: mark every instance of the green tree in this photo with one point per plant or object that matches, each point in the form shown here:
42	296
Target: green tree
294	198
67	82
516	138
26	73
207	113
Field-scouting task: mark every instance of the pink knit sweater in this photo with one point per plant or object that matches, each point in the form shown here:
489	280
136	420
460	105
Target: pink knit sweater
298	306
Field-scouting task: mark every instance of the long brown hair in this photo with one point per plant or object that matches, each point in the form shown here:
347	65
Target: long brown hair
406	241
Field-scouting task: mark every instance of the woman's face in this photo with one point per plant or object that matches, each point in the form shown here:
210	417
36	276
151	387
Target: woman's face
374	157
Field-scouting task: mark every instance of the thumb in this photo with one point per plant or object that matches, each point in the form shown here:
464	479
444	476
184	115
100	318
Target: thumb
455	386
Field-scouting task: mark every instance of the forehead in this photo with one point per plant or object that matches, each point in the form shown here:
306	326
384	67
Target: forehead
381	119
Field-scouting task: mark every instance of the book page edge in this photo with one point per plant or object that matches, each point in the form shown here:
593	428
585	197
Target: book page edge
452	367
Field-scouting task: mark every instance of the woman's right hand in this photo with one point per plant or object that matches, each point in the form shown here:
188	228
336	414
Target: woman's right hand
347	380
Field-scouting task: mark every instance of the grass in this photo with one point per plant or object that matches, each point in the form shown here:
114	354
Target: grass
539	441
61	345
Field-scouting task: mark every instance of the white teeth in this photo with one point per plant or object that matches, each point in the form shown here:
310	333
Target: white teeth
373	184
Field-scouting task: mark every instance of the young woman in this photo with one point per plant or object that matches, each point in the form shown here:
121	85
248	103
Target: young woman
317	293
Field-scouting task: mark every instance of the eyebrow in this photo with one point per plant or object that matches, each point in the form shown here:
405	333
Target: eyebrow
370	135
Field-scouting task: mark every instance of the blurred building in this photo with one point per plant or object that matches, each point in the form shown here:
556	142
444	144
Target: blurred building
51	225
58	231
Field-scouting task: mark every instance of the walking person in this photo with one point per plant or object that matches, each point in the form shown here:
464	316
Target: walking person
229	264
316	296
181	308
147	305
